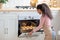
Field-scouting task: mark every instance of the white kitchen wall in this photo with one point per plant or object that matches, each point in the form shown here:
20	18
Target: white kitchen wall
13	3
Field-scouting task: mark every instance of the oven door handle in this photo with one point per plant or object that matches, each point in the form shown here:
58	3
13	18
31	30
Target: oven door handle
33	35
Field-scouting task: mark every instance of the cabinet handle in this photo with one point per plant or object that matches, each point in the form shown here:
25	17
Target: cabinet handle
5	30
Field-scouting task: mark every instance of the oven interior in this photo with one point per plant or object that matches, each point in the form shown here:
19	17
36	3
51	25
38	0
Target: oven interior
25	26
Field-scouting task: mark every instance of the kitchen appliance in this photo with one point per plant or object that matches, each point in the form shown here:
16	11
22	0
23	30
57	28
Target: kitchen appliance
26	25
25	7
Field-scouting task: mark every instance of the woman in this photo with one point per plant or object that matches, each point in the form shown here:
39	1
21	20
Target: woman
45	21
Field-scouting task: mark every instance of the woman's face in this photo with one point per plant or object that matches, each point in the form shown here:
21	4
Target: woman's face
39	11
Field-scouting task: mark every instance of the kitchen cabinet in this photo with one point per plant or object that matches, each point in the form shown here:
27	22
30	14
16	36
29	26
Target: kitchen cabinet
1	28
8	24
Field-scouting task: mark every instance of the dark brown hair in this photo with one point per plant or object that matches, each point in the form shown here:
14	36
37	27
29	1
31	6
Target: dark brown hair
45	10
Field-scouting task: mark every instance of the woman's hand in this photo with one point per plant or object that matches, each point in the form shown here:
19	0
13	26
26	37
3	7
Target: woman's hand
30	33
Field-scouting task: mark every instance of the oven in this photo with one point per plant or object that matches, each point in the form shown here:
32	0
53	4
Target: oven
26	25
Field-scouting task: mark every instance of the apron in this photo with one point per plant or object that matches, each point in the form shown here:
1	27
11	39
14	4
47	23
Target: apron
48	33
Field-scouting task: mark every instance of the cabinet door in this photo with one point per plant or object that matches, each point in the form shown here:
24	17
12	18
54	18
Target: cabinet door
1	28
11	23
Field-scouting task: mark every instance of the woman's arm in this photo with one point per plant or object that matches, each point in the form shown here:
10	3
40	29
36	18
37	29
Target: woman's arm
42	20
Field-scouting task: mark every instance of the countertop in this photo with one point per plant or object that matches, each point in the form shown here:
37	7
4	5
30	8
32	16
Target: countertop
20	10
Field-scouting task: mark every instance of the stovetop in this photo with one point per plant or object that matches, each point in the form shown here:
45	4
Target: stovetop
25	7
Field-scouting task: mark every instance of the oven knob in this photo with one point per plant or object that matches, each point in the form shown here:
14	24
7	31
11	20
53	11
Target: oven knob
30	17
25	18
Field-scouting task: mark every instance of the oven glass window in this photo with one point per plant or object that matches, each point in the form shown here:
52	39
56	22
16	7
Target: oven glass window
25	26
